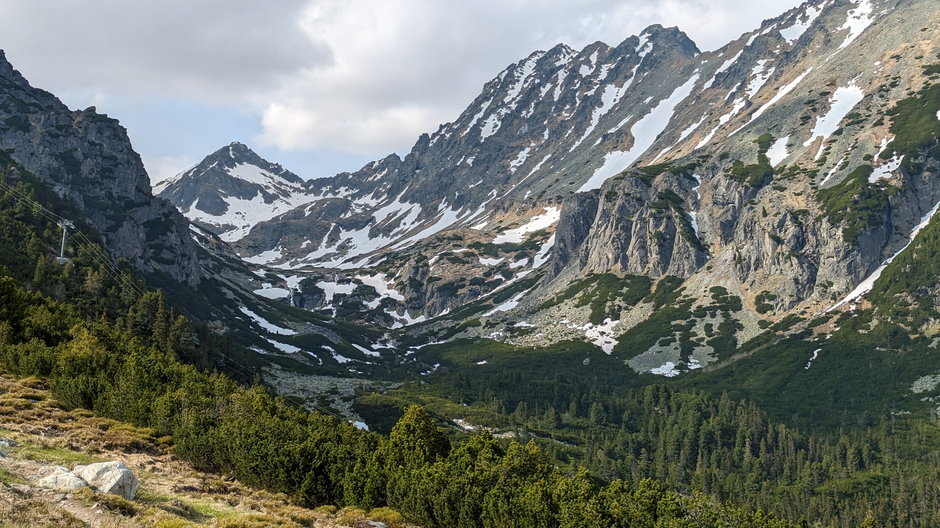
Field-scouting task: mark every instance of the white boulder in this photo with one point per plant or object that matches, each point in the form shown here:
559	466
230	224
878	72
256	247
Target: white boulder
109	477
62	480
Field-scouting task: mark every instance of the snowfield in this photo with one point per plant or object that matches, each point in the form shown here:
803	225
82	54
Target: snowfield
543	221
644	133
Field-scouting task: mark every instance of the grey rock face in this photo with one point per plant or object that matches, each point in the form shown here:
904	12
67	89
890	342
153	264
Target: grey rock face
635	227
87	157
770	235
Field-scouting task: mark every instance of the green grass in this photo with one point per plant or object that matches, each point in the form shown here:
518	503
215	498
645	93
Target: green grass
53	455
8	477
194	510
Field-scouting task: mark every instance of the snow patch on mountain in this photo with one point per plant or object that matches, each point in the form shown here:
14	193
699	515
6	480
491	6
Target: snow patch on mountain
330	289
856	22
446	218
781	92
724	66
778	151
736	107
476	118
810	362
886	169
283	347
524	72
611	96
366	351
270	292
490	126
254	174
841	103
265	324
644	133
506	306
274	194
667	369
543	221
519	160
265	256
759	76
691	128
381	285
601	335
803	22
542	256
832	172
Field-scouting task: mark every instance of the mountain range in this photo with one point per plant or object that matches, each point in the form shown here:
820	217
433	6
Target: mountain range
712	268
770	168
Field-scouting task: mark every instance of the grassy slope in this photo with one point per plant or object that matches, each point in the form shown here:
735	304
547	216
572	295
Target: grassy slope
171	494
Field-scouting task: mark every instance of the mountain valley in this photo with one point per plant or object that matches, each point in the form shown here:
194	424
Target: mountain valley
712	269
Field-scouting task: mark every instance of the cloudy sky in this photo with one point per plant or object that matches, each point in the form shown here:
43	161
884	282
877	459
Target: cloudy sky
320	86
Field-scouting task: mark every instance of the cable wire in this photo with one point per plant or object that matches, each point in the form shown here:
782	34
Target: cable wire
83	242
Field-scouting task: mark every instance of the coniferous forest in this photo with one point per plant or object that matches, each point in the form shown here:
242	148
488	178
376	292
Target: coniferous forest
102	345
650	456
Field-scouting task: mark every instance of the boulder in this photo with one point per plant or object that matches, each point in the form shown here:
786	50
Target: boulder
5	443
62	480
109	477
370	524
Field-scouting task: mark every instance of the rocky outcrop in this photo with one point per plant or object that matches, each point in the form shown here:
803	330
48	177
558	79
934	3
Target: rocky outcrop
641	226
104	477
666	161
87	158
109	477
762	223
232	189
61	480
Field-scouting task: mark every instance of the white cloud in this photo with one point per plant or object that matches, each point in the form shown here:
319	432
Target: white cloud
362	77
402	67
210	50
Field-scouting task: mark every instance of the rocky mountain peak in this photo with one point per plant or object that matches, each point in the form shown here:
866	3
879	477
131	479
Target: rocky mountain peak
540	119
232	189
666	36
237	153
8	72
555	135
86	157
